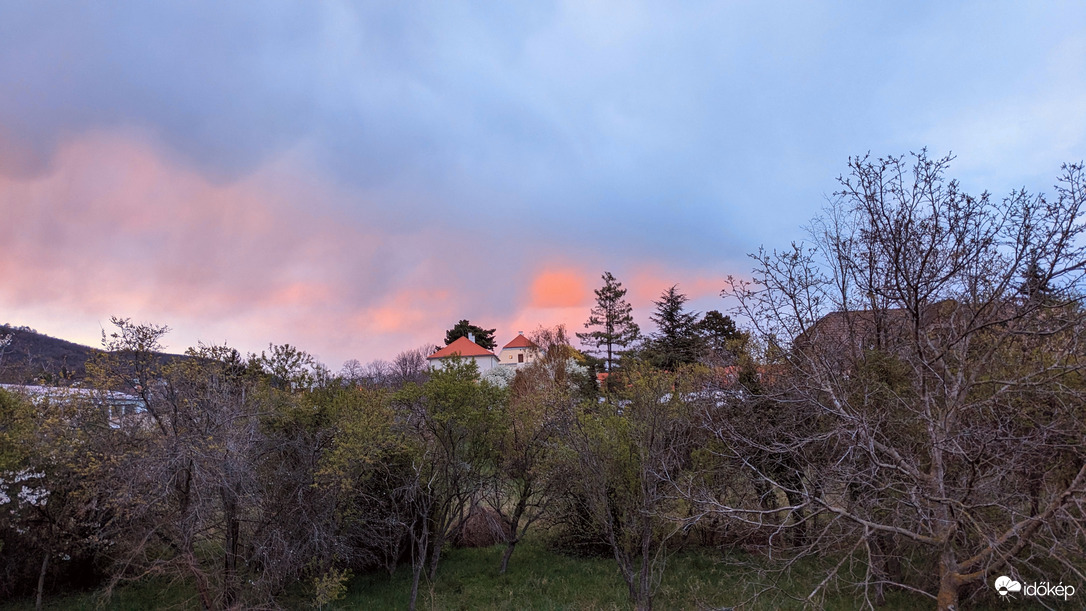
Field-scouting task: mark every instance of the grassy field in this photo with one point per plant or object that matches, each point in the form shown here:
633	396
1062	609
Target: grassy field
537	579
540	579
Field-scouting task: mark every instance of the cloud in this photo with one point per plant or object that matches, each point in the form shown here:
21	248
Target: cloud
118	226
115	227
354	178
561	288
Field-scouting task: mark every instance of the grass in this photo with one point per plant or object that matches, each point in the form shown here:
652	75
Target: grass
537	579
138	596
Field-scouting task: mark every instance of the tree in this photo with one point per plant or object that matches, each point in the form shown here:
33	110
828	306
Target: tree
187	483
938	408
291	369
410	366
676	341
5	341
447	423
529	476
722	340
628	455
612	317
483	337
49	515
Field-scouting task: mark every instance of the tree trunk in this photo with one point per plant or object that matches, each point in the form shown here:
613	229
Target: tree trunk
949	583
230	559
435	556
508	553
418	561
514	525
644	585
417	575
41	580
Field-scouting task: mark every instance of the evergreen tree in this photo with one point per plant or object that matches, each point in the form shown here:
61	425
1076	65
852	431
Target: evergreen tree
483	337
720	337
676	340
612	319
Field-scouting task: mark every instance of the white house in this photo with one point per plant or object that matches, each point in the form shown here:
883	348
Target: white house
518	352
466	349
119	406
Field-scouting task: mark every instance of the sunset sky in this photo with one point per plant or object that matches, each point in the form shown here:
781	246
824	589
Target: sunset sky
353	178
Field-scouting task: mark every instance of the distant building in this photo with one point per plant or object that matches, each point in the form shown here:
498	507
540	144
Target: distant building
118	406
466	349
518	352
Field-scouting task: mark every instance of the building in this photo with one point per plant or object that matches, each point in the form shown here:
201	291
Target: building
518	352
466	349
118	406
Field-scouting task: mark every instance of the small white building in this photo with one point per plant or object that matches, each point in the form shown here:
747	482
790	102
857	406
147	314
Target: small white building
118	406
519	352
466	350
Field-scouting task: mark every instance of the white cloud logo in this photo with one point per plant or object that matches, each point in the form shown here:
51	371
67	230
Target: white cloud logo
1005	585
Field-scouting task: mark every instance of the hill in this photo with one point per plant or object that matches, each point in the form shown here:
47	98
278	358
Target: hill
37	358
33	358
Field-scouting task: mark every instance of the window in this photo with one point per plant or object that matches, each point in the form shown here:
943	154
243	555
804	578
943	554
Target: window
520	358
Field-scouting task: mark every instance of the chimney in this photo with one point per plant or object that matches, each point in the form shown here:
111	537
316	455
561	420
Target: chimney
471	337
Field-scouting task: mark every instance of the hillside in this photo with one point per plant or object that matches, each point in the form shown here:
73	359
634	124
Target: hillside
37	358
34	357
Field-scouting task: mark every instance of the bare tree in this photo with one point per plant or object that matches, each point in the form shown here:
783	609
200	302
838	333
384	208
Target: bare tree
5	341
411	365
930	354
186	482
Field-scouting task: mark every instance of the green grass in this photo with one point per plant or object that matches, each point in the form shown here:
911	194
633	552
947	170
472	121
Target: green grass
540	579
537	579
138	596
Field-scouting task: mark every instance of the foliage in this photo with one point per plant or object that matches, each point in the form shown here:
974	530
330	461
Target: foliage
628	453
290	369
51	522
330	587
676	341
483	337
612	319
723	342
500	376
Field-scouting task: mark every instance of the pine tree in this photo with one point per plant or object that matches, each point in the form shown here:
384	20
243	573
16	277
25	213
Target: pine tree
676	340
612	317
483	337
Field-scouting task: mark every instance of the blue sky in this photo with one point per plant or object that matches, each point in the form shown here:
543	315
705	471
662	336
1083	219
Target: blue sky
355	177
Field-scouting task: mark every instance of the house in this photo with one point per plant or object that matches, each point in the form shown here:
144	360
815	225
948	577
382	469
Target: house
118	406
857	330
466	349
518	352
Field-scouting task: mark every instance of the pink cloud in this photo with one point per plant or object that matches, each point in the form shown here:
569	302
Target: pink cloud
559	288
117	226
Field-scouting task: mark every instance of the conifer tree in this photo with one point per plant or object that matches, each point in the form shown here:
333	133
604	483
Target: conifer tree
676	340
612	321
483	337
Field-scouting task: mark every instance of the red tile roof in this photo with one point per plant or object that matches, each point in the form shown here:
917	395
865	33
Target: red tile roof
520	342
463	347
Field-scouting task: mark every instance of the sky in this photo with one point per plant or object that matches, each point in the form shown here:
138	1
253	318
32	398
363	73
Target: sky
353	178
